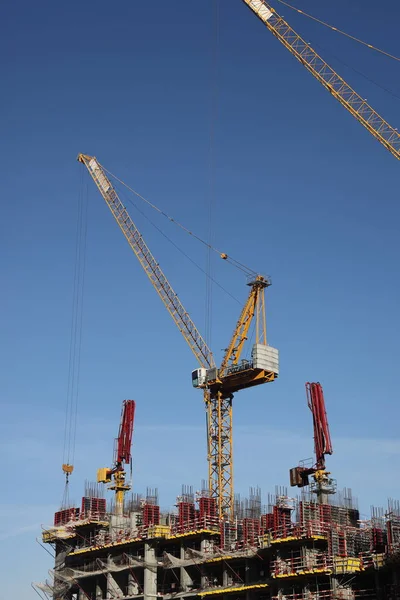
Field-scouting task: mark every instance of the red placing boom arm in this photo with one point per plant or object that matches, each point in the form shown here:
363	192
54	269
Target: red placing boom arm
124	440
322	438
322	443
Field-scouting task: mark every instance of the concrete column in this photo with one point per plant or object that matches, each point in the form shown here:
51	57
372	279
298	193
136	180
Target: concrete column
99	592
133	588
226	576
185	579
113	589
150	572
334	584
204	546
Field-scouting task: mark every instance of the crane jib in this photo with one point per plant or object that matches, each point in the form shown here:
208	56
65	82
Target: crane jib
149	264
387	135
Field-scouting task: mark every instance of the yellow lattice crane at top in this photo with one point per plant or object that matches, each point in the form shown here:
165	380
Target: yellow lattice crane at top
387	135
218	384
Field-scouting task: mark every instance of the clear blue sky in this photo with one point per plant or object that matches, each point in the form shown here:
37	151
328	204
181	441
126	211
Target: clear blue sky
302	192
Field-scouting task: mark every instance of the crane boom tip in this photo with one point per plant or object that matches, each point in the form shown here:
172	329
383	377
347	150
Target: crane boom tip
81	157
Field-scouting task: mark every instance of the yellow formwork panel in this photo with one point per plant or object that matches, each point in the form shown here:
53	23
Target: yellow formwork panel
219	559
159	531
303	572
110	545
347	565
195	532
91	522
228	590
379	561
52	535
266	540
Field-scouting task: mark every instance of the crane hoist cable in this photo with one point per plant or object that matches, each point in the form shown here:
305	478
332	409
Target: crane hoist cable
214	98
348	66
352	37
223	255
175	245
75	342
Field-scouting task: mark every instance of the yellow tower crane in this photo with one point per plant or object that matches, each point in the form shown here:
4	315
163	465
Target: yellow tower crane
387	135
218	384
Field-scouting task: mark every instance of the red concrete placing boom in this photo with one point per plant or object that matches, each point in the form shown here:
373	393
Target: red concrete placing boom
322	438
122	455
299	476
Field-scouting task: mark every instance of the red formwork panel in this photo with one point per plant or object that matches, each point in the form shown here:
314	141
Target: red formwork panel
93	507
186	515
282	521
251	530
151	514
207	507
62	517
267	522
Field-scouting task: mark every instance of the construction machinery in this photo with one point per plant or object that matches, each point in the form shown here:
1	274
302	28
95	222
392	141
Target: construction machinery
387	135
234	374
218	384
322	484
116	475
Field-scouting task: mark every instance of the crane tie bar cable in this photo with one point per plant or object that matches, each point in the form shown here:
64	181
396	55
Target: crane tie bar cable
223	255
352	37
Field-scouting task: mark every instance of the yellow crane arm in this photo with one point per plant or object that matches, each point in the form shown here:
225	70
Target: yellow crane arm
149	263
234	350
357	106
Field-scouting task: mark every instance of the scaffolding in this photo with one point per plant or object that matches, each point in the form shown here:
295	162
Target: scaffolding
289	549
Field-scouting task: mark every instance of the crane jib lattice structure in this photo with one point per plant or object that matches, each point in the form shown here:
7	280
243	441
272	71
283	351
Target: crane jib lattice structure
387	135
218	384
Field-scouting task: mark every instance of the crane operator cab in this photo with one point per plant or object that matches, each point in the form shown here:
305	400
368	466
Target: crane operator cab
199	378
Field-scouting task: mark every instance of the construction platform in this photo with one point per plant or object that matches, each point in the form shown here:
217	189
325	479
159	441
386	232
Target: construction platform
291	549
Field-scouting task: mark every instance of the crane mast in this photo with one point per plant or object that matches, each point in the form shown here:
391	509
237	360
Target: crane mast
387	135
218	385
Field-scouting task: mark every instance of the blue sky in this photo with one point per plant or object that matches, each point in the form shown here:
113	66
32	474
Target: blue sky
301	192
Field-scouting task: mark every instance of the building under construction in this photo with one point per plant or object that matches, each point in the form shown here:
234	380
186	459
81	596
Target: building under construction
293	548
313	546
307	546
